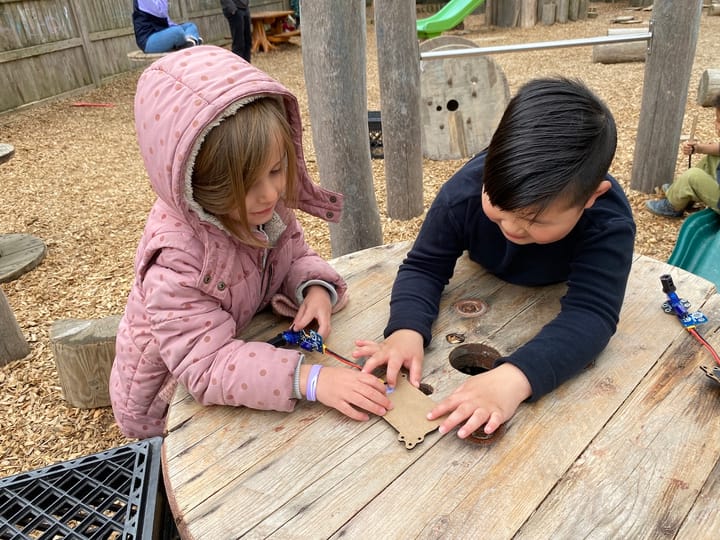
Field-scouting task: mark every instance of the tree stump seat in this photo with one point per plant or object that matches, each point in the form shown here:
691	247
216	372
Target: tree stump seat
6	152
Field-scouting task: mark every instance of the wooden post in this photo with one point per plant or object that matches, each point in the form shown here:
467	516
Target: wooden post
561	15
84	351
548	13
665	89
399	70
504	13
528	13
12	342
708	87
334	64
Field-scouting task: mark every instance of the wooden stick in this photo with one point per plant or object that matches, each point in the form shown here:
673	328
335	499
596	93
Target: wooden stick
692	136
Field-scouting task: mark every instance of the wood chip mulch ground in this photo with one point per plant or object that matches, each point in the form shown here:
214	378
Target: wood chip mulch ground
77	181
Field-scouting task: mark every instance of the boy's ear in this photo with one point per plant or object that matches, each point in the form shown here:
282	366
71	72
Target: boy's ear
604	186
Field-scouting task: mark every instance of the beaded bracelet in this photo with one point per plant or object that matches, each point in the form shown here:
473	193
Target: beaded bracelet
296	378
312	380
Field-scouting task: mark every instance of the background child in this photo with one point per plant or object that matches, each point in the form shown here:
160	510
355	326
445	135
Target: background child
700	183
222	146
155	32
537	207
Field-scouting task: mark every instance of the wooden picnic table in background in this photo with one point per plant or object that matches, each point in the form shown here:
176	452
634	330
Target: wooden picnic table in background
627	449
264	40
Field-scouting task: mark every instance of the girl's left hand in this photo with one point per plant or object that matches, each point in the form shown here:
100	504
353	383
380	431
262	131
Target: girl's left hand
315	307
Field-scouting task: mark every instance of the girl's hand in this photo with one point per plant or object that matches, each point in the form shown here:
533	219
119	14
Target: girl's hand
490	398
349	390
315	307
402	348
688	147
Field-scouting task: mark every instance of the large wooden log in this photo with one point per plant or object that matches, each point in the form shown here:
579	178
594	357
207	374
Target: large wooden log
84	351
616	53
399	71
12	342
708	87
665	89
334	65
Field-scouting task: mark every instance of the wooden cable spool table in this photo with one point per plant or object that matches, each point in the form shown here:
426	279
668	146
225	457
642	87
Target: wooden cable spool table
627	449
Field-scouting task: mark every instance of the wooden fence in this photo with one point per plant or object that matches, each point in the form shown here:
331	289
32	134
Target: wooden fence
52	48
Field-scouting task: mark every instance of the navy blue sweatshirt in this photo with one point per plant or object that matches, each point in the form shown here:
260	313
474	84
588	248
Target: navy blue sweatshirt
594	259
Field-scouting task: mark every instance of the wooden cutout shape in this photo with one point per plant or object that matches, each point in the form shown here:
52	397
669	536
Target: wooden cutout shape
409	415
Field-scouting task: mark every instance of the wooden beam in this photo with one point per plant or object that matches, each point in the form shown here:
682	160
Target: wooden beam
667	75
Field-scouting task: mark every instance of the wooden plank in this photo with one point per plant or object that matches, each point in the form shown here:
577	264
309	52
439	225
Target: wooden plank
704	517
536	448
39	50
639	468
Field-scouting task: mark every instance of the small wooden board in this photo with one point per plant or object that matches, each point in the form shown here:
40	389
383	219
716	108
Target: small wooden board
19	253
409	415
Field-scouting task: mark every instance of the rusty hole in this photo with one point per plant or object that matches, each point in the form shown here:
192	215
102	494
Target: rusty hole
471	308
426	388
480	437
473	358
455	338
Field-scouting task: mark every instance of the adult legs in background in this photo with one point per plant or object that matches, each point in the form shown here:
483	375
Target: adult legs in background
241	33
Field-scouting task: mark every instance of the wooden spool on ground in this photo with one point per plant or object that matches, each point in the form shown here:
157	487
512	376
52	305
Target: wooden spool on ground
462	100
84	351
709	87
617	53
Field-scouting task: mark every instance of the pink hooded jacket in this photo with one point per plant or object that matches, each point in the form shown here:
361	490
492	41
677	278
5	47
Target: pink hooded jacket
196	286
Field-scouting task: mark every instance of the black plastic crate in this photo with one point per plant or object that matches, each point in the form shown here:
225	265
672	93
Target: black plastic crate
376	140
108	495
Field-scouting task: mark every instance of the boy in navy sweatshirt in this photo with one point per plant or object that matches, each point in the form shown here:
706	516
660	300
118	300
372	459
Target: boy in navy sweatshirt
536	207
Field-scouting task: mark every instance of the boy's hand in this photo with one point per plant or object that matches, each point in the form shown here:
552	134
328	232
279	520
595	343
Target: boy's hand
401	348
348	390
315	307
490	398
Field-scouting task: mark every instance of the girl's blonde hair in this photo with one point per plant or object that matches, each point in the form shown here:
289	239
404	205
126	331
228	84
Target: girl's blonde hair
232	157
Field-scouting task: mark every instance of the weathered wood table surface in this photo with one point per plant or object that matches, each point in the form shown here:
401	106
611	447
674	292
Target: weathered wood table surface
628	449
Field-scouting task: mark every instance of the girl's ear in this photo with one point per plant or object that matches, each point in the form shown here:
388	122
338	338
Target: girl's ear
604	186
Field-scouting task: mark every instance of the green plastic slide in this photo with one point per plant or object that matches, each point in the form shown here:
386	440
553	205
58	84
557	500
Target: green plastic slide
697	249
452	14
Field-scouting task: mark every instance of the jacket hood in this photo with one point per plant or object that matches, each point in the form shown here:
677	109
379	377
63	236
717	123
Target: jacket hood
181	97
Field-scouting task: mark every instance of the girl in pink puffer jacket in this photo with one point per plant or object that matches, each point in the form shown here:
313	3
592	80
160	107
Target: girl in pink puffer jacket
221	142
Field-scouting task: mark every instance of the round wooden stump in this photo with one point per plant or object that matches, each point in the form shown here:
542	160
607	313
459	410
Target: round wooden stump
19	253
6	152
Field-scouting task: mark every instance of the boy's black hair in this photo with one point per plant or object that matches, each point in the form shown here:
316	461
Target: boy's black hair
556	140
